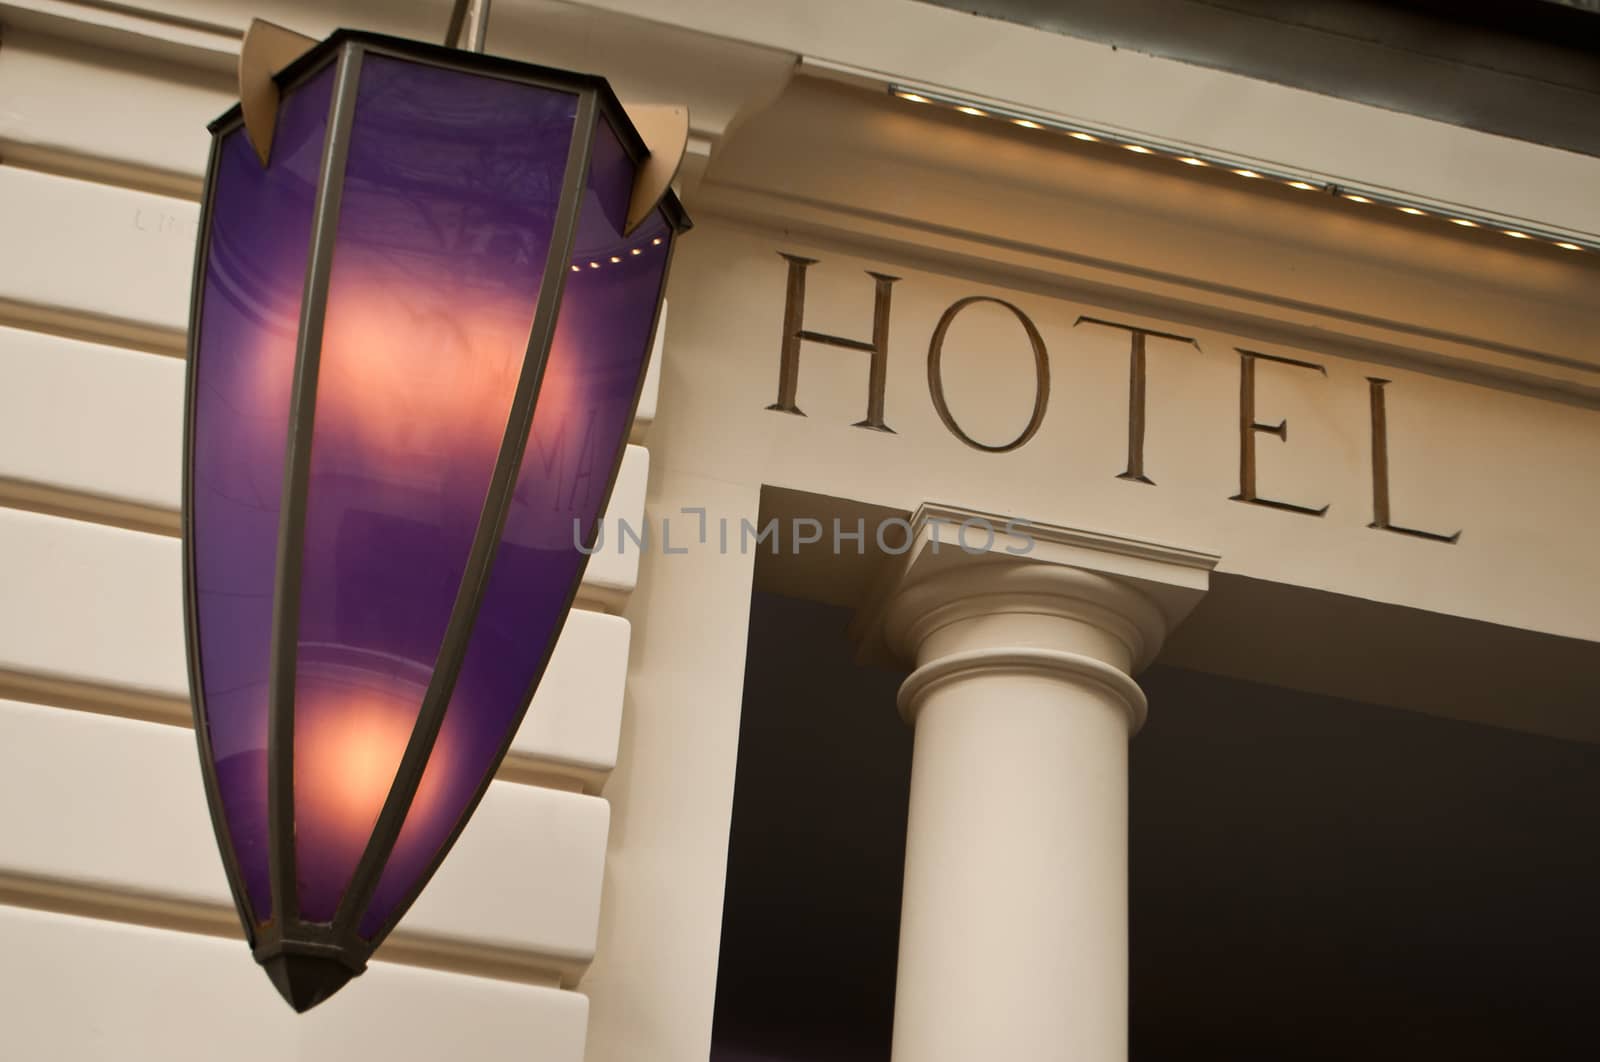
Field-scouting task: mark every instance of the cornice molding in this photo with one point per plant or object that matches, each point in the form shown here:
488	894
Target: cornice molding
930	513
1524	348
918	44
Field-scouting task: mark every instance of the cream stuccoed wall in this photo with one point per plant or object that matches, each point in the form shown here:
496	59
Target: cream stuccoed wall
1513	473
580	915
1491	406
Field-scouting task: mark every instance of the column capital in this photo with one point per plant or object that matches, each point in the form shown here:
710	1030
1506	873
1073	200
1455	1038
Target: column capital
978	590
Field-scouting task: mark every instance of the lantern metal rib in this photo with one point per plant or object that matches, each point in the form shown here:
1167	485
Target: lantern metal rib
230	861
309	958
527	696
453	650
279	951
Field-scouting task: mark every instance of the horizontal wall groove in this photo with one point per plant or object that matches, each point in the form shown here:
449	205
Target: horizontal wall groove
85	987
518	897
88	508
74	695
80	696
91	619
159	912
92	328
99	169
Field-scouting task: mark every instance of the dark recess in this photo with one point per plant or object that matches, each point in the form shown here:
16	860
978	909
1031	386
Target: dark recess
1313	879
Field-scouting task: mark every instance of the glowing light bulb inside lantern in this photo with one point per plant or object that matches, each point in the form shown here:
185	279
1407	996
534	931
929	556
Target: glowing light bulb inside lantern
355	712
346	755
421	361
414	362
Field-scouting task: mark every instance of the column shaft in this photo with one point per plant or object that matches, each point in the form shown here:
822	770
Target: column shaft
1013	934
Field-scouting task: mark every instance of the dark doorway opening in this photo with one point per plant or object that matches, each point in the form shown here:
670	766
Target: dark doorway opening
811	916
1312	878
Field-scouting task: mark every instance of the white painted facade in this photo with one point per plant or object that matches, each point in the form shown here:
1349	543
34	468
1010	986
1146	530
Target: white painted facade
578	918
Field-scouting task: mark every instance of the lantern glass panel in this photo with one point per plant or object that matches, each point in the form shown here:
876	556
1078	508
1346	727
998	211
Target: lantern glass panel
448	208
580	428
253	278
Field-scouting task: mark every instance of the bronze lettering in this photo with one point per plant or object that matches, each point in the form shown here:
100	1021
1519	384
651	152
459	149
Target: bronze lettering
1380	470
1249	426
1041	365
1136	388
794	332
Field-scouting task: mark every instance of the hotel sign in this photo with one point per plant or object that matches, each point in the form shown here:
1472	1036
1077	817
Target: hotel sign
1251	362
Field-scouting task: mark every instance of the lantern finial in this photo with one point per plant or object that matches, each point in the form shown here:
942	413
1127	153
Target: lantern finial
306	980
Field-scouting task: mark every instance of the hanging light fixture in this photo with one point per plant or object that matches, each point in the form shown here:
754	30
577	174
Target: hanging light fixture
408	396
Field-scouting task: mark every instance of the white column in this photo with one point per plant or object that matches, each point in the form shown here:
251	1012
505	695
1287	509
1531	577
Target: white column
1014	922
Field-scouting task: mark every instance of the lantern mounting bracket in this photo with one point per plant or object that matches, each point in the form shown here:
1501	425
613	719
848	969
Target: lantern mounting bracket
269	48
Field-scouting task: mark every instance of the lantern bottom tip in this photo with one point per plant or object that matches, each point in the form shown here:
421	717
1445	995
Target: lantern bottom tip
306	980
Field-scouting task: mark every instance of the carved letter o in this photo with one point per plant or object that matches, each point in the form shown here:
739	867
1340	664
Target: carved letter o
1041	362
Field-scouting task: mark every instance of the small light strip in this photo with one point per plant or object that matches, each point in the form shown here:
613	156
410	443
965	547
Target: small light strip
601	261
1243	168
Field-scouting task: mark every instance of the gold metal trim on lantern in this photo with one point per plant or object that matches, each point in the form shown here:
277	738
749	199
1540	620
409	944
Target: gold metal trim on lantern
269	49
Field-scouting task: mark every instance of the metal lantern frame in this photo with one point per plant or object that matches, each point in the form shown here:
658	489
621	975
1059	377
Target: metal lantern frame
309	960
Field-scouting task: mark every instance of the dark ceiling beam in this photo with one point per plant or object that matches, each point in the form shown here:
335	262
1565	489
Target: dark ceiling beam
1530	71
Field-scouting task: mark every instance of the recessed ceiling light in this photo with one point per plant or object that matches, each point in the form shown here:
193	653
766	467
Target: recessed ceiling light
1084	136
1247	173
1465	223
636	251
1569	246
1138	149
1026	124
1190	160
1515	235
1303	186
964	109
1358	199
912	97
1413	211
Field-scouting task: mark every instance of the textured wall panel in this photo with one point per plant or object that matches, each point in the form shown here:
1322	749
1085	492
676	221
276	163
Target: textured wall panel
116	806
82	990
90	419
577	712
89	604
613	571
83	602
67	105
114	258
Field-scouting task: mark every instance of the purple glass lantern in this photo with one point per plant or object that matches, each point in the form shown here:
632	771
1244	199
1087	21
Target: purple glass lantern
418	336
